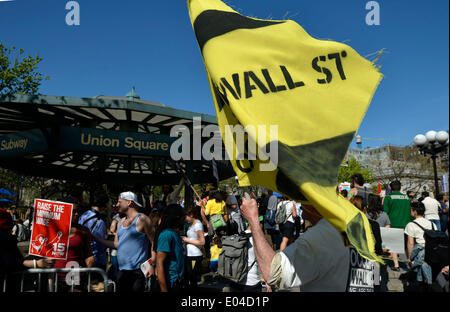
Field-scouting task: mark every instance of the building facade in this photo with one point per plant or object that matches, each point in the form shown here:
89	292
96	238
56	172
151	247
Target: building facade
405	163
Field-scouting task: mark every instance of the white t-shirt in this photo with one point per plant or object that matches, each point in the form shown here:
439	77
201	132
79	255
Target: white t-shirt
431	208
194	250
317	261
298	206
415	231
252	275
19	230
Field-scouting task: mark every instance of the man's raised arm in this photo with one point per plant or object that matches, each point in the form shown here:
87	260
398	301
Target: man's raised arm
264	252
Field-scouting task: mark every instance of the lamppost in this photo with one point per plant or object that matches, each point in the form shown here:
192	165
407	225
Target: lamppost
428	144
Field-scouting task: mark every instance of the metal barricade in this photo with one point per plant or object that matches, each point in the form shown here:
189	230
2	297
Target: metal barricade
53	283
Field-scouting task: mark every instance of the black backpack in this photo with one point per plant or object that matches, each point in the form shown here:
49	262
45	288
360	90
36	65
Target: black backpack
436	246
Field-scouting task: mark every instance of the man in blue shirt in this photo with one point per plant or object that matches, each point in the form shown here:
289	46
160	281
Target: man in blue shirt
94	220
443	211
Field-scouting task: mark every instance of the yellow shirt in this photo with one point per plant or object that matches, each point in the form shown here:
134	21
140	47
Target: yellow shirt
215	252
213	207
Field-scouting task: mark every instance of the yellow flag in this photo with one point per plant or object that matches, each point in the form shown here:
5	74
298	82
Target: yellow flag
271	75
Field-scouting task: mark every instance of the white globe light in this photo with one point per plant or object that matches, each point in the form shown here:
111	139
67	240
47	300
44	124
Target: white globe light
431	136
420	140
442	137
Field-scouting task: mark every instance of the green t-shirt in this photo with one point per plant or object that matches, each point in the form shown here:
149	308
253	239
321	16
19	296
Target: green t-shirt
398	207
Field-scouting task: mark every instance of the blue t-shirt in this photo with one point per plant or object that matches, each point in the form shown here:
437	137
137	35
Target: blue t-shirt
170	242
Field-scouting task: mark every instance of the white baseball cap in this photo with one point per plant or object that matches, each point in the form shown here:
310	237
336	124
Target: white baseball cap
130	196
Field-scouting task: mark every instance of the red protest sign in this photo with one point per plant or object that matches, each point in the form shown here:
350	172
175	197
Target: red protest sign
51	228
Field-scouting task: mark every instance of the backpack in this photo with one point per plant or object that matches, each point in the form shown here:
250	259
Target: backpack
218	221
280	215
233	260
436	246
236	223
269	217
98	216
20	232
27	231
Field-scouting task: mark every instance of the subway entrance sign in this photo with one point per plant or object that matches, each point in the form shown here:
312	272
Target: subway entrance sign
113	140
88	140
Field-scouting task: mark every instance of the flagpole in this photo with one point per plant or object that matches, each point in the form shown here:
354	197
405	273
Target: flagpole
180	171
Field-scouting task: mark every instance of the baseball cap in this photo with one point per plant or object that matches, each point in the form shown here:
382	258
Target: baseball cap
130	196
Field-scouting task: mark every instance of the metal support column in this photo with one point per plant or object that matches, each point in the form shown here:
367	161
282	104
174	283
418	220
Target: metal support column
188	193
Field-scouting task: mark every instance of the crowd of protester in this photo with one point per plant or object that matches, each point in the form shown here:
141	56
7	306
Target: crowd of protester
286	244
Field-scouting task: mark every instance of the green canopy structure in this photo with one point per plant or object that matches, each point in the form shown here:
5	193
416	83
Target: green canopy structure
114	140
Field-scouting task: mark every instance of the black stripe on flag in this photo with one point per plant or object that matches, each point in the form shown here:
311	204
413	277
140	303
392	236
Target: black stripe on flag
213	23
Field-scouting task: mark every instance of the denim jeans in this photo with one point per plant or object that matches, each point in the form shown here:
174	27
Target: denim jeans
114	268
437	223
423	270
444	219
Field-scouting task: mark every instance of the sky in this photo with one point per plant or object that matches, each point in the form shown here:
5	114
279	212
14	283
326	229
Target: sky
151	45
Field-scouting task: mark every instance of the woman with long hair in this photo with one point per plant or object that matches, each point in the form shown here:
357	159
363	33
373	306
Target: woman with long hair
375	211
357	201
169	249
194	240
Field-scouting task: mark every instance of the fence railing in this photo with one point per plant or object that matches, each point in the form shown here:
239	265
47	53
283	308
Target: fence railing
53	278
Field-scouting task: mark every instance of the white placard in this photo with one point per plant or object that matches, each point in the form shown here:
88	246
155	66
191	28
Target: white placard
393	239
146	266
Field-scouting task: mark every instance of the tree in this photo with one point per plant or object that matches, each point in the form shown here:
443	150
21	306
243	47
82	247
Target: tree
21	184
18	73
351	167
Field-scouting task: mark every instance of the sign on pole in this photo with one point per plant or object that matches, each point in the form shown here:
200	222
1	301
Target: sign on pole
344	186
445	183
51	229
